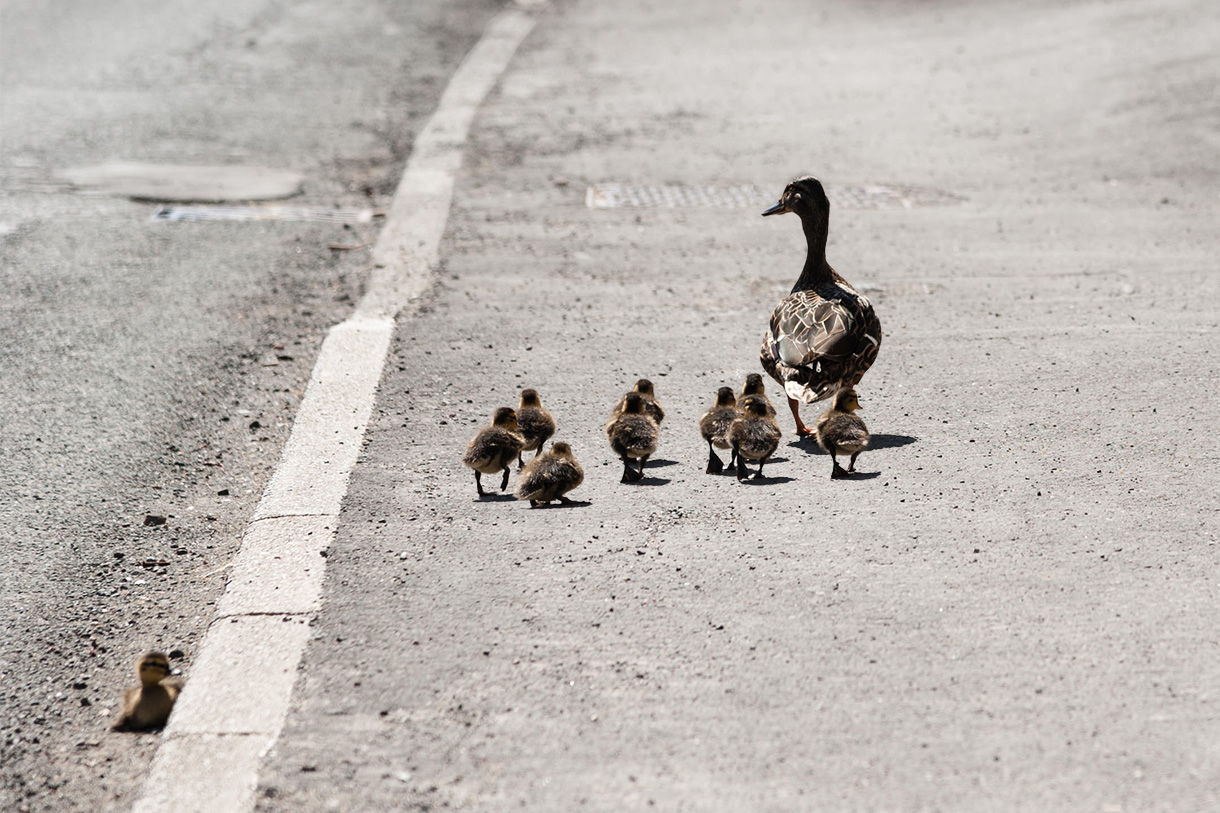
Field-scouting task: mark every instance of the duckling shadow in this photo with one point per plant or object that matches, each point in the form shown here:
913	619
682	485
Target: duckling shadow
651	481
496	498
890	441
654	463
568	504
863	475
766	480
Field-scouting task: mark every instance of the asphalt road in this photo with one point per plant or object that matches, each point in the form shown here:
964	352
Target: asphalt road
154	368
1012	607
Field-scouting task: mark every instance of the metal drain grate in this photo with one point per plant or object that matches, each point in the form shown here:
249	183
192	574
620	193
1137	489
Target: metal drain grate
298	213
872	196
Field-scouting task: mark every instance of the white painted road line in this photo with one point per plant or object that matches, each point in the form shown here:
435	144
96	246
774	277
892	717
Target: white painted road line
224	723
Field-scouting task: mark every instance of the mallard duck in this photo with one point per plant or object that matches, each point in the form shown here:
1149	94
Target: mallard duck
754	388
651	405
754	435
633	435
840	431
714	426
825	334
494	448
549	476
147	706
534	424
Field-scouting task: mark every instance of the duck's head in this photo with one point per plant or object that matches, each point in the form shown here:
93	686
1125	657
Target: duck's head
804	196
753	385
152	667
633	403
847	401
755	406
560	448
505	418
644	387
529	398
725	397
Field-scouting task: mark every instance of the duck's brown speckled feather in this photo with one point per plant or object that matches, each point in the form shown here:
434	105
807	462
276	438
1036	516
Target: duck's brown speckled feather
821	340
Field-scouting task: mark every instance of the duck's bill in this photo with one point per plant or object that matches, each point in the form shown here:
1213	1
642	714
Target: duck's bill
777	209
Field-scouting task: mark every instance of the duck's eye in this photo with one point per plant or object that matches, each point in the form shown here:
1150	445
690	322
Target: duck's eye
796	197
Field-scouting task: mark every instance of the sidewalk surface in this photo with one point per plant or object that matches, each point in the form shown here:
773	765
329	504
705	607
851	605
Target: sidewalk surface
1014	607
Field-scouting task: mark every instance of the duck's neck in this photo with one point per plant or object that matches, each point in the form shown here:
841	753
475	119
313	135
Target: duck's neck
816	270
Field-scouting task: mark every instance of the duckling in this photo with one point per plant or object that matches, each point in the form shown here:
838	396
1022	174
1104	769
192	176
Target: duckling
714	426
651	405
147	706
841	431
534	423
754	436
549	476
825	334
753	388
494	448
633	434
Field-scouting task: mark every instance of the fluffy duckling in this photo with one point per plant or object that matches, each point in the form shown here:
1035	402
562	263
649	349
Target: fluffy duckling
825	334
754	436
754	388
534	424
714	426
840	431
147	706
494	448
549	476
651	405
633	434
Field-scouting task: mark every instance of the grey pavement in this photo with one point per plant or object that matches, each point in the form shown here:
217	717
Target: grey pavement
1013	607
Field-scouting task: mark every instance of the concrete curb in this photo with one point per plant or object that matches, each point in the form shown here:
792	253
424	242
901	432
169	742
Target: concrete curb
225	723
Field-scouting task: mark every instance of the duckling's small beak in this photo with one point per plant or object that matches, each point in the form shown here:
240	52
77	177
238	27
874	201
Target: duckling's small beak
777	209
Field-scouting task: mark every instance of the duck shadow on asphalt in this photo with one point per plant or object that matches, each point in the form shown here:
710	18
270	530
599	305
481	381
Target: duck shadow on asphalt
809	445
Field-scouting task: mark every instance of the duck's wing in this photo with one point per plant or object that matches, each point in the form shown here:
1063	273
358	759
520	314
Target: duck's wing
818	344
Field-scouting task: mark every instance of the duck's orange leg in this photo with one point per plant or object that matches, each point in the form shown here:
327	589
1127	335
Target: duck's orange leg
801	429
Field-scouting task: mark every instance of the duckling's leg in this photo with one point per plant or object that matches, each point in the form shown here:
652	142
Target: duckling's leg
640	474
801	429
733	462
758	475
504	482
837	472
478	483
714	464
742	471
541	443
851	465
629	475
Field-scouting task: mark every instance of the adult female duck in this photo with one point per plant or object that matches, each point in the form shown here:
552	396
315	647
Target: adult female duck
824	335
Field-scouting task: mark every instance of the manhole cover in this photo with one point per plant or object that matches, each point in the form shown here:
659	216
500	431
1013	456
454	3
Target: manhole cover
174	183
300	213
870	196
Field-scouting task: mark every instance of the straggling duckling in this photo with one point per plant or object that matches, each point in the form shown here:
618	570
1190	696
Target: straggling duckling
754	388
714	426
147	706
840	431
494	448
652	407
633	435
549	476
754	435
534	424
